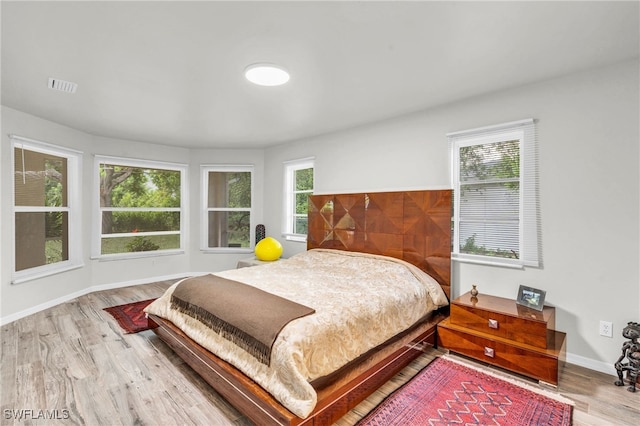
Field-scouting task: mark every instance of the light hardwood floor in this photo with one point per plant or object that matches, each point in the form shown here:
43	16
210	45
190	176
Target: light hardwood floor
73	363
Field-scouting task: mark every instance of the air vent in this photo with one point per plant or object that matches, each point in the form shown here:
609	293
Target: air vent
63	86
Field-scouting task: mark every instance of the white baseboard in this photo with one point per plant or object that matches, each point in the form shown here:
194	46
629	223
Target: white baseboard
592	364
63	299
41	307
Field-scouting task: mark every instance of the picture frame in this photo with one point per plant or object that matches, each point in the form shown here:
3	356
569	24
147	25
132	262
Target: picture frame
531	297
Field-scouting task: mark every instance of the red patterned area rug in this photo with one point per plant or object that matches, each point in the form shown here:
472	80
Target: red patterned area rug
447	392
131	316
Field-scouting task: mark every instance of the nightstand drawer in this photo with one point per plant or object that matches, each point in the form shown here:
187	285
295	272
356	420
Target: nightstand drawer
504	318
540	364
497	324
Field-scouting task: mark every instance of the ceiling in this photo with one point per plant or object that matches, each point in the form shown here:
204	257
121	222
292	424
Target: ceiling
172	72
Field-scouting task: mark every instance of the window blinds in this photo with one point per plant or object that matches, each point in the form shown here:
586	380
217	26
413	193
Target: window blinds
495	177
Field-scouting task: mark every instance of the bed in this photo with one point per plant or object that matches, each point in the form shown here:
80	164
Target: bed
403	238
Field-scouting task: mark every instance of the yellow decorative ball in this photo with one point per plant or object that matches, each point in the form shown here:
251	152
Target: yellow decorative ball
268	249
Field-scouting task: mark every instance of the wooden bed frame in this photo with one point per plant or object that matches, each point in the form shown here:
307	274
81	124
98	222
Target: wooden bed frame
414	226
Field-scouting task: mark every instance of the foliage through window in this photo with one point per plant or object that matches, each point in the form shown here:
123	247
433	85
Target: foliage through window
140	206
495	196
298	187
227	207
46	208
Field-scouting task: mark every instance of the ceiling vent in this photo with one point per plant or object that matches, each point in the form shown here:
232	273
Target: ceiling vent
63	86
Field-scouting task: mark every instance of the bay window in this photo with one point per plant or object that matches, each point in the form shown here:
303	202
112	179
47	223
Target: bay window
46	208
141	207
227	208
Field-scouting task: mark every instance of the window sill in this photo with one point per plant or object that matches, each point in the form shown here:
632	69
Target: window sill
43	271
227	250
296	238
137	255
487	261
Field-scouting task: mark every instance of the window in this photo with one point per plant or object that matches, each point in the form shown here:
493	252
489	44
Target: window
46	209
298	186
227	213
494	174
141	207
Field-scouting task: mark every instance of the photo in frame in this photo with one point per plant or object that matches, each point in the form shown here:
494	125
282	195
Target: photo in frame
531	297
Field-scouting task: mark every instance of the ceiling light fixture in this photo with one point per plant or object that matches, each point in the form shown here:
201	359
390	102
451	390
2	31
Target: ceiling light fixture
266	74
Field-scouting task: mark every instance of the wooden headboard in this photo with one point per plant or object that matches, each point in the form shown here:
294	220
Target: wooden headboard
414	226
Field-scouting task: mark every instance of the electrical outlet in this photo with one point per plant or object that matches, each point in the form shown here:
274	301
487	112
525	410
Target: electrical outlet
606	328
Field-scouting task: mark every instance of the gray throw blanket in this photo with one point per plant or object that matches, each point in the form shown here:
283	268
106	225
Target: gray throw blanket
249	317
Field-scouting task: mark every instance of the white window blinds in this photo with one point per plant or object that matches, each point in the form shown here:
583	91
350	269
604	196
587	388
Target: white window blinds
494	176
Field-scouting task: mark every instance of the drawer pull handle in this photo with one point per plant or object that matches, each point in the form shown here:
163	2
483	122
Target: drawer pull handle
493	323
489	352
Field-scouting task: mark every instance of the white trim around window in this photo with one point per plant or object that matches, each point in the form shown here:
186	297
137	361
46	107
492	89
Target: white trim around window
496	209
96	248
290	192
72	209
205	209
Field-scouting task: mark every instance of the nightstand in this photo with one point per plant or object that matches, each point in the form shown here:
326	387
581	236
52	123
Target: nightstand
500	332
252	261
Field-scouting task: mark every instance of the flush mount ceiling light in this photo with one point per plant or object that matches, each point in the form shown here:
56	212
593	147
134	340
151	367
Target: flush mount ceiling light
266	74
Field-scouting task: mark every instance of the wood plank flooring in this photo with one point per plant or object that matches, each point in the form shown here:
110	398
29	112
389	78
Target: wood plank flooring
72	365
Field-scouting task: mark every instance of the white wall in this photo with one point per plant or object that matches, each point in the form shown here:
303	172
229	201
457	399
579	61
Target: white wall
588	129
588	126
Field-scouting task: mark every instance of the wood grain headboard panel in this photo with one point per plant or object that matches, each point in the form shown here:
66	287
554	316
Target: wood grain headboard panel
414	226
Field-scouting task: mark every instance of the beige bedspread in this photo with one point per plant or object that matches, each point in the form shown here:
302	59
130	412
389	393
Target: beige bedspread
360	300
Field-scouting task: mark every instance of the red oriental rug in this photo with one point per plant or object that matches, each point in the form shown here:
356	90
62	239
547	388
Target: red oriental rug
131	316
447	393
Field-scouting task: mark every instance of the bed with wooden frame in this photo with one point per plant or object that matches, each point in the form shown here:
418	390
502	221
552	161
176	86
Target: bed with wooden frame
414	226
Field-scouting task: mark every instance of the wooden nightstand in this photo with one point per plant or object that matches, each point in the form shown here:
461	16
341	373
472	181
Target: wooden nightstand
500	332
